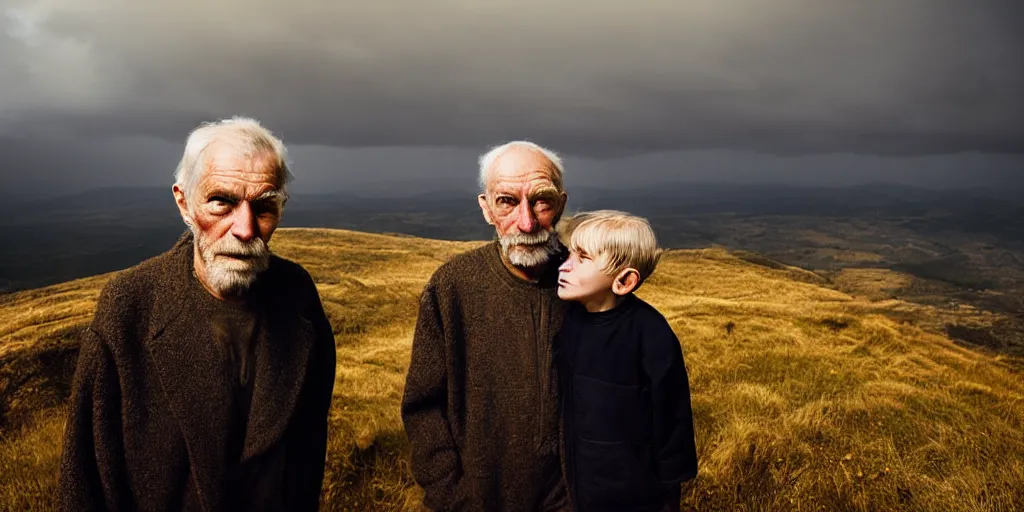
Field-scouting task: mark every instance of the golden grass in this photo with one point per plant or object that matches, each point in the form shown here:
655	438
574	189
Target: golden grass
873	283
805	398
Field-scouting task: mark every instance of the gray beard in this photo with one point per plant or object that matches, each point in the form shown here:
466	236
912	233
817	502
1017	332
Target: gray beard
530	250
231	276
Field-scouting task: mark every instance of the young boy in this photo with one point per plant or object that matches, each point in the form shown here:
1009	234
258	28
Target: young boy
629	440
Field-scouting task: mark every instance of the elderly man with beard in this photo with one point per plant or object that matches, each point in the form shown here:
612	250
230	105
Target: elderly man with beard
204	380
480	406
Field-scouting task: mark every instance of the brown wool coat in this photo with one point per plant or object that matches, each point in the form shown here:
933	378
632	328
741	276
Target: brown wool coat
480	403
150	401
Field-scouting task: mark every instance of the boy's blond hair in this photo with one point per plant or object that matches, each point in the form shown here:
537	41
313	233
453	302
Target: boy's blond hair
617	240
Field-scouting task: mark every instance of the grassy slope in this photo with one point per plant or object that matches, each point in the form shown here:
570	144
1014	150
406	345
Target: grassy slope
805	398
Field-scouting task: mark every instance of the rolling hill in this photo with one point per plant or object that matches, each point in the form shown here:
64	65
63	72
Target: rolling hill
805	397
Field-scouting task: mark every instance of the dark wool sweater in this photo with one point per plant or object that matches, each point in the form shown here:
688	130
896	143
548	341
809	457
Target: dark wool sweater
626	408
237	331
154	404
480	405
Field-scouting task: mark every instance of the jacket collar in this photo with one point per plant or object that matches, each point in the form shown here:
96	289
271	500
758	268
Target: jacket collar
189	367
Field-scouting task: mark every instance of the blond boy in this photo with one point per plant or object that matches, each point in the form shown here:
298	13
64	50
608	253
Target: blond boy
625	397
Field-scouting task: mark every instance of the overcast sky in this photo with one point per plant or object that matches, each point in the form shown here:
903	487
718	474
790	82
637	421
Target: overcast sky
403	95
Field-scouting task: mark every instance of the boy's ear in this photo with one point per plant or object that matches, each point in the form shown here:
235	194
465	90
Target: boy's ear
626	281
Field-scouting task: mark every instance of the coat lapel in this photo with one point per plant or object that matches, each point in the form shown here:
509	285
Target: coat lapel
191	374
197	390
281	361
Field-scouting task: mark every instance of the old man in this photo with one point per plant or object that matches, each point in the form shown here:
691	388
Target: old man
204	380
480	406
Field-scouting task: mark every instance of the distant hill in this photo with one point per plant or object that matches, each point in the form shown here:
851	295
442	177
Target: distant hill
54	239
805	397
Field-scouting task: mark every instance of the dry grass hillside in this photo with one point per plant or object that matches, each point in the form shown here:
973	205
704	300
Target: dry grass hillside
805	397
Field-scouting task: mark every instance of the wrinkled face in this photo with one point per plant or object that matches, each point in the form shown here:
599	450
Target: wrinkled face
523	204
236	206
580	278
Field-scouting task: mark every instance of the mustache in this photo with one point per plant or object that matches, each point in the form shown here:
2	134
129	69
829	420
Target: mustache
518	238
231	246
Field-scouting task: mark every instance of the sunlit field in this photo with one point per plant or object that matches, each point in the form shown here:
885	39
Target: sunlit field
804	397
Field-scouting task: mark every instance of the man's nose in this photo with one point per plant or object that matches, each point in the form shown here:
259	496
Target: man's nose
243	222
525	221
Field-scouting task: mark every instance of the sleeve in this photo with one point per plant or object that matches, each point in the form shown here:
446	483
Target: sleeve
309	444
435	460
87	477
673	434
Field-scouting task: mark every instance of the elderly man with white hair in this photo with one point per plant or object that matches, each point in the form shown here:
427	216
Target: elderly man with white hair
205	378
480	406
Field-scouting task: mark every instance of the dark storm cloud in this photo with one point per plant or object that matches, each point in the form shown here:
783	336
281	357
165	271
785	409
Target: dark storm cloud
74	164
787	77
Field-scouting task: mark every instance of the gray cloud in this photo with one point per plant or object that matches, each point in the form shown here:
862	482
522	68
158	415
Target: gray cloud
70	164
784	76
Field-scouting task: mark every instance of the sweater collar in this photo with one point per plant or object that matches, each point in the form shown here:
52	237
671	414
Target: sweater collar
628	304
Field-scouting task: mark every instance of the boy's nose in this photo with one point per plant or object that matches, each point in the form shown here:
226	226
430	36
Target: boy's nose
566	266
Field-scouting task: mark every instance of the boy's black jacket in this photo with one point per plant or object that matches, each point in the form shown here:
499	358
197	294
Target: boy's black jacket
625	401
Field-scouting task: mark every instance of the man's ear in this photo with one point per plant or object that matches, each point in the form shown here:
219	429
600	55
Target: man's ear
182	202
626	281
482	199
561	209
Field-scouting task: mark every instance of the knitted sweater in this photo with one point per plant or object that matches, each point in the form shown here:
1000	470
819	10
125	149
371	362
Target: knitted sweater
626	409
480	404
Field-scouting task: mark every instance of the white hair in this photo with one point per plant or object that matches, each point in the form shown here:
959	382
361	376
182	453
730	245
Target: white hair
487	161
246	134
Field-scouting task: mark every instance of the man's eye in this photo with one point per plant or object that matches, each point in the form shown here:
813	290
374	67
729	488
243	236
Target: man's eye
219	203
506	201
265	209
542	205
